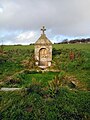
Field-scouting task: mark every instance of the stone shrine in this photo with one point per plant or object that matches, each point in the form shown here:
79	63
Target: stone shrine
43	51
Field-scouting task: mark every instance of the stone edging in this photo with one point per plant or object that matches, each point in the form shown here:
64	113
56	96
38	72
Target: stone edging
10	89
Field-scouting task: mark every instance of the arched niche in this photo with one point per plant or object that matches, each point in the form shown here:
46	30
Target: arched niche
43	57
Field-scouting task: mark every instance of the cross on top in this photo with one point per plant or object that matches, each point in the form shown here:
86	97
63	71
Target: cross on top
43	29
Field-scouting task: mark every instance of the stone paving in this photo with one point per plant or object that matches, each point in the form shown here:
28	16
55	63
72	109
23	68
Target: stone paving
10	89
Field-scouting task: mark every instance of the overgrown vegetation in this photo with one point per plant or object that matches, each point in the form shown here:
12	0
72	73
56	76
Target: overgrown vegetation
74	62
39	104
60	93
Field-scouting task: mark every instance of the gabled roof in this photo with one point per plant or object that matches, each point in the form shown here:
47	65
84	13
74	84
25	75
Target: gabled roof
43	40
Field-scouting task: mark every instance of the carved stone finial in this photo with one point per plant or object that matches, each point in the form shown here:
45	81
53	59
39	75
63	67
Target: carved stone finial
43	29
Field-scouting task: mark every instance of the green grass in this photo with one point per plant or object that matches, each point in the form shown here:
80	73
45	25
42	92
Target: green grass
44	99
15	55
25	79
66	105
83	47
11	60
40	77
22	47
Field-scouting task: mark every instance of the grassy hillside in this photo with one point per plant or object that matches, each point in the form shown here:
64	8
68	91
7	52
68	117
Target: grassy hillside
50	95
82	46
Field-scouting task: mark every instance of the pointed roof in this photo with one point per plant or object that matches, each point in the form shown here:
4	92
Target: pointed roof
43	40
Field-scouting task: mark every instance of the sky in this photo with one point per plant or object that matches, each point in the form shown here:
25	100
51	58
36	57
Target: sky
21	20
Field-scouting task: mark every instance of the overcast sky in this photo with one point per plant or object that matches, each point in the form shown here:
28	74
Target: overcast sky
21	20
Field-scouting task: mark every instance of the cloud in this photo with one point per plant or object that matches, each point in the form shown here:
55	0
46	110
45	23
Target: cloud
63	17
25	36
18	37
1	10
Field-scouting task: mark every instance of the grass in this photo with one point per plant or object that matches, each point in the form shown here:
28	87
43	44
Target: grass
18	58
25	79
83	47
45	98
66	105
15	47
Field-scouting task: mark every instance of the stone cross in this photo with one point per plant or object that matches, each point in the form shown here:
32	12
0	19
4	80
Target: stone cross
43	29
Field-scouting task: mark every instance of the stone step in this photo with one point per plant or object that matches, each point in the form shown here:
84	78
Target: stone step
10	89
